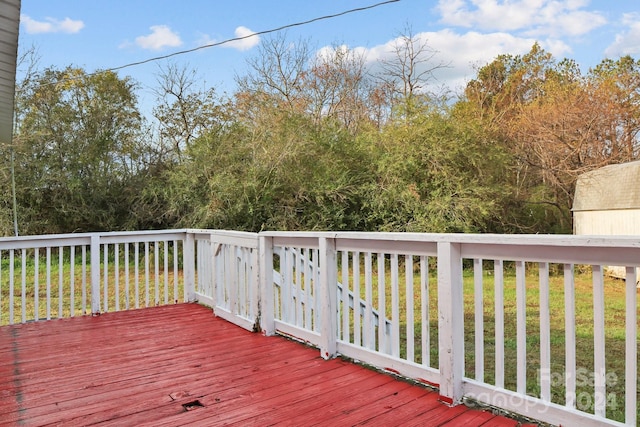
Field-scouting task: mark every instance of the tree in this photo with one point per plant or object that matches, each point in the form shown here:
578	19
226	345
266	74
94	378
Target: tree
27	63
184	111
438	174
406	75
339	87
557	124
78	151
277	71
291	175
616	87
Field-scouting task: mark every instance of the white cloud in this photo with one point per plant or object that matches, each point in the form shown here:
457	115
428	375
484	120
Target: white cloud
50	25
247	40
161	36
550	18
328	53
246	43
463	53
627	42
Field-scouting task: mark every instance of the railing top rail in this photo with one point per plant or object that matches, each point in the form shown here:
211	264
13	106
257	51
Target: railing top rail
230	233
26	242
142	237
88	235
496	239
69	239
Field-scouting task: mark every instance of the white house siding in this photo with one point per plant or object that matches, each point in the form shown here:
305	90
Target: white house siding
9	23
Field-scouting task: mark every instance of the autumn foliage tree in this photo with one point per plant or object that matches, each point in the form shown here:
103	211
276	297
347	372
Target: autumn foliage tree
322	140
557	124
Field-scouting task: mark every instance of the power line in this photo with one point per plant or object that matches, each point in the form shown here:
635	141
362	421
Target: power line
206	46
259	33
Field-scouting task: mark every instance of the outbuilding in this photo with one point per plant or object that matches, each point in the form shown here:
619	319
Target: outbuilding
607	202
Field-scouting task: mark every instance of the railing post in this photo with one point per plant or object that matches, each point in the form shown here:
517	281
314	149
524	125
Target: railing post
265	280
450	322
327	294
95	274
254	286
189	260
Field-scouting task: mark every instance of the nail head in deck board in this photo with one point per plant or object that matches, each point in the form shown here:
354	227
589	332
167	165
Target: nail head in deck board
142	366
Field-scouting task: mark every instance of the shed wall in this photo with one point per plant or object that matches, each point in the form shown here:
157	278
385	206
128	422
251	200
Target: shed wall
623	222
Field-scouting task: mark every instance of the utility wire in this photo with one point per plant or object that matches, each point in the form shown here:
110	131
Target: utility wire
206	46
259	33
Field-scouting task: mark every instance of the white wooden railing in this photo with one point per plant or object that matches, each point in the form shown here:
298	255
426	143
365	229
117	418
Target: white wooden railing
489	318
433	307
57	276
227	266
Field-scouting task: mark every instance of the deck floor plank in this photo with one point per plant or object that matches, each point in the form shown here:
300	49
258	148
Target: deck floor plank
270	410
143	367
360	407
87	381
242	403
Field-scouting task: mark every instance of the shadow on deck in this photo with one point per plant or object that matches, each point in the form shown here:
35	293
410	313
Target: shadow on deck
179	365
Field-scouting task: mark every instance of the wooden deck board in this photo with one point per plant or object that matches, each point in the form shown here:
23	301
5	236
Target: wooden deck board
141	366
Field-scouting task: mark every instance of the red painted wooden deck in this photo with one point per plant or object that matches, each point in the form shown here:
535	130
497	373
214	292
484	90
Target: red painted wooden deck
179	365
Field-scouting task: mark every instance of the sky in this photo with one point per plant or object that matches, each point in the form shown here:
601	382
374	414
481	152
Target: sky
465	34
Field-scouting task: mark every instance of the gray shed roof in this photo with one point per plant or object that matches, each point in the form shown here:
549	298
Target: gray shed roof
9	25
610	187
